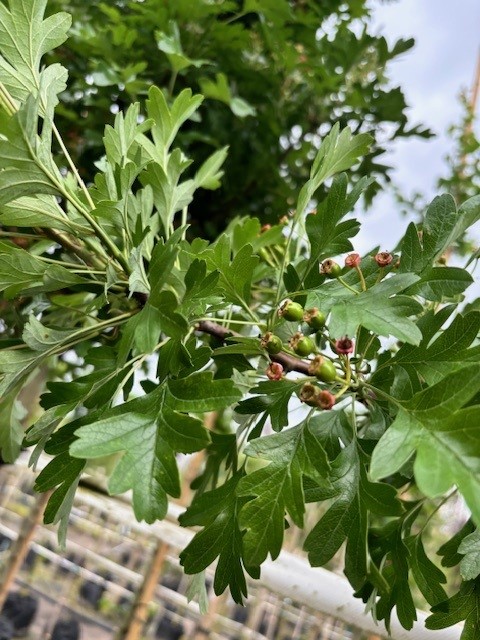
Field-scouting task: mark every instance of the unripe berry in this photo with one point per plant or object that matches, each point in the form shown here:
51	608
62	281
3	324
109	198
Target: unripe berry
272	343
344	345
315	318
302	345
353	260
383	259
331	269
291	311
275	371
323	369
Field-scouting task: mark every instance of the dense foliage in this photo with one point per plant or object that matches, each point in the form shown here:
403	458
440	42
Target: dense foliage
273	73
374	352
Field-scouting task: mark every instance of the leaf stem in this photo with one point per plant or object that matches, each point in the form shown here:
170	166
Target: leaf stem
363	284
347	286
72	166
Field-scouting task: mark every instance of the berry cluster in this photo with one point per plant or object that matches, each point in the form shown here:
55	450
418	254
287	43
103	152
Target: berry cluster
334	373
304	346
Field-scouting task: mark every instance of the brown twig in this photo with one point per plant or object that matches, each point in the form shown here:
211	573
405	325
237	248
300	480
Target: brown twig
288	362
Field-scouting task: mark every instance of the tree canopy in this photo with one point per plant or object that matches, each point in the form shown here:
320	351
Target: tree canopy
276	76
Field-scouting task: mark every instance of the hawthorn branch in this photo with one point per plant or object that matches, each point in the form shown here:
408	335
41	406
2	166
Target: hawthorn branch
288	362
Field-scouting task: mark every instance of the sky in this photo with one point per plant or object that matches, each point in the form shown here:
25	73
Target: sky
432	74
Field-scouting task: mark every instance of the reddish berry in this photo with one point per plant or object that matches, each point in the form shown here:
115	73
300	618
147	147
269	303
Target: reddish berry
275	371
383	259
302	345
323	369
325	399
315	318
272	343
331	269
344	345
353	260
265	227
291	311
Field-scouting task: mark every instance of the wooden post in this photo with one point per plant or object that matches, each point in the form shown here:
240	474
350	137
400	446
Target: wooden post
133	627
19	549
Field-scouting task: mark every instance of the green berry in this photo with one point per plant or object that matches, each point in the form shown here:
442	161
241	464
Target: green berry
315	318
291	311
331	269
327	371
323	369
302	345
272	343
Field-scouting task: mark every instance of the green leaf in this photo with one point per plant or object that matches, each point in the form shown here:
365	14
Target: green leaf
41	338
15	366
23	172
22	272
148	432
197	590
449	550
217	512
427	575
11	428
464	605
277	488
167	122
438	283
328	238
470	549
379	311
437	235
25	36
347	517
199	393
170	45
444	437
236	279
272	397
38	211
441	351
220	90
338	152
209	174
62	474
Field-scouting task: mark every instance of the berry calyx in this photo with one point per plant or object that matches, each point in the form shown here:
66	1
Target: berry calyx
323	369
275	371
272	343
344	345
291	311
383	259
331	269
302	345
315	318
309	393
353	260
